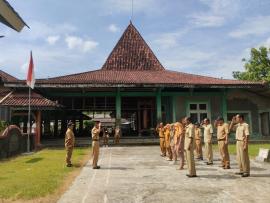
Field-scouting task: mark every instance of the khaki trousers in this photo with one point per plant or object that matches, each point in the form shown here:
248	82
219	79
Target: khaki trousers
208	152
116	139
162	146
198	149
95	152
224	153
190	162
174	153
169	152
242	157
69	151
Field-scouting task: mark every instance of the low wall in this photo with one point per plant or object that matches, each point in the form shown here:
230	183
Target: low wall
13	142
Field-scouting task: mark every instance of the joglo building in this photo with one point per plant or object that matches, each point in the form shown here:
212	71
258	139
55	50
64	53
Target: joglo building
133	89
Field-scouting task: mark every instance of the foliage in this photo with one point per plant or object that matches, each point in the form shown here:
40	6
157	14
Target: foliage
257	68
3	125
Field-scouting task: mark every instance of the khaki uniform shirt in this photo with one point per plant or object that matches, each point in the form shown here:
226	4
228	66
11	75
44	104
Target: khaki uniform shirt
242	131
198	133
95	133
161	132
208	133
222	131
69	139
178	130
167	137
189	135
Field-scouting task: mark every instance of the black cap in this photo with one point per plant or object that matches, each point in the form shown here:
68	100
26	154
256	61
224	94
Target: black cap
196	123
220	118
70	123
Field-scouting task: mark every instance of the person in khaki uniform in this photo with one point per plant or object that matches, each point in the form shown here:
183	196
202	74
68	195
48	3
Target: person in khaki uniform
180	144
95	144
223	137
198	142
106	137
208	134
160	131
189	147
167	132
69	143
173	143
242	135
117	135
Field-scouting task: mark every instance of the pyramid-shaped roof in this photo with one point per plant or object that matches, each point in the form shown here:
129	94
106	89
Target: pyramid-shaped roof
132	63
132	53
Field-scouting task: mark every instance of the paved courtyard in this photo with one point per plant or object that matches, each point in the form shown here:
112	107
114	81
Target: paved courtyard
139	174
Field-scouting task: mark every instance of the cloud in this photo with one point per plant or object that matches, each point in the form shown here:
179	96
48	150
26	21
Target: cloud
218	11
113	28
52	39
254	26
74	42
169	39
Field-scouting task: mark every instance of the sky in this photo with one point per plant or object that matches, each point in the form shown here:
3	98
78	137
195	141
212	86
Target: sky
205	37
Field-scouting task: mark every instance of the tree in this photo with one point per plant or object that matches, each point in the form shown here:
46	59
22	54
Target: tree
257	68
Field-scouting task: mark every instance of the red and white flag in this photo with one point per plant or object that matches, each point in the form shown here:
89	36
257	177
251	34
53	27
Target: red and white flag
30	80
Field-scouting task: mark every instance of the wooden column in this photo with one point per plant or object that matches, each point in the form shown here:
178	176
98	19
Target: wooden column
224	105
118	107
158	104
55	127
174	108
38	129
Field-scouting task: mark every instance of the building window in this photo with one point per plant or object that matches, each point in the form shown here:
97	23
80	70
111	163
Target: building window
198	111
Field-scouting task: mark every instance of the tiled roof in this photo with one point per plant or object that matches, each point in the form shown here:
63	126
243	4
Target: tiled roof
5	77
132	62
20	99
132	53
163	77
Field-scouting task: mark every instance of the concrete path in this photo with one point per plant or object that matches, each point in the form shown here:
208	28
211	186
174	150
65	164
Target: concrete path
139	174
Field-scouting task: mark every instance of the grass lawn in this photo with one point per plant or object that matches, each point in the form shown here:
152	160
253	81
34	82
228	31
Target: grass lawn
253	149
38	175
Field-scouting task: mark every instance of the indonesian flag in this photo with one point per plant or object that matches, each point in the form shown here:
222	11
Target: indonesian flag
30	81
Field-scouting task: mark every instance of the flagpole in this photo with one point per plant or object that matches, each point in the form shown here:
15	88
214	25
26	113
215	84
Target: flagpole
29	118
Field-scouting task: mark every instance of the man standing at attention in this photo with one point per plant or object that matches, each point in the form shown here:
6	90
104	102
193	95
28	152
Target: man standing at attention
198	142
160	131
69	143
95	144
167	134
242	135
208	134
189	147
180	148
223	141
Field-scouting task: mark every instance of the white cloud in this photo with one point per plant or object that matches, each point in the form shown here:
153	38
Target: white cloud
113	28
74	42
218	11
169	39
52	39
252	26
207	20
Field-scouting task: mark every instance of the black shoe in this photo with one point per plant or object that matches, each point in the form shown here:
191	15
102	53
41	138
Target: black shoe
239	173
96	167
209	163
228	167
69	165
245	175
191	176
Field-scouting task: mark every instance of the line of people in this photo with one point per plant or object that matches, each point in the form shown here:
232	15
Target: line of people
183	140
